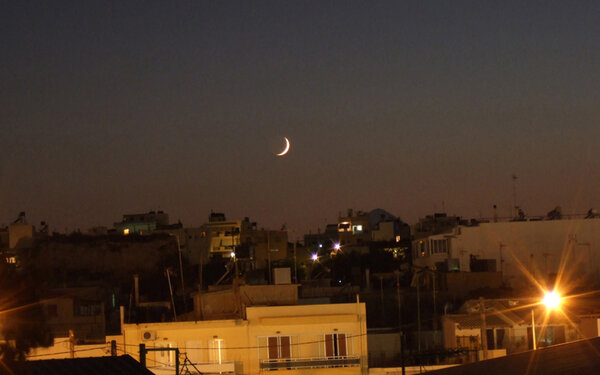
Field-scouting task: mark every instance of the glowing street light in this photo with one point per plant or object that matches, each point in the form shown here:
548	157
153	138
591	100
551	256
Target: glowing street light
552	301
336	246
314	257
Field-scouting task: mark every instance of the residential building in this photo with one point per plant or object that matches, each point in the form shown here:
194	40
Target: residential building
321	339
508	327
226	236
514	248
355	229
142	223
80	310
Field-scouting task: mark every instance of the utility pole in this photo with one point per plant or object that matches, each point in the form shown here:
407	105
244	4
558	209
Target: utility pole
483	328
269	252
171	292
400	320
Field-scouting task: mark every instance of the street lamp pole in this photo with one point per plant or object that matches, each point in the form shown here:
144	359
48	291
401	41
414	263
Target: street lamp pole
533	329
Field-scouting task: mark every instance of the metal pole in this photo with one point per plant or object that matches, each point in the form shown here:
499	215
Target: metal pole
181	273
295	264
483	328
143	354
419	317
533	329
269	252
171	291
400	320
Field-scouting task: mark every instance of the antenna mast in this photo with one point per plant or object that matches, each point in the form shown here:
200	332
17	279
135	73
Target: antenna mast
514	186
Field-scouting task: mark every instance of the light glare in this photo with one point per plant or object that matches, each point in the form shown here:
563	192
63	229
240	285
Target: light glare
551	300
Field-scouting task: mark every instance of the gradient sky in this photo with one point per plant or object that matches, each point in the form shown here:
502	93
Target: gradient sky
113	107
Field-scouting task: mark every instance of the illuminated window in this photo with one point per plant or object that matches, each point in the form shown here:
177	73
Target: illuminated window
357	229
398	238
344	227
126	231
215	350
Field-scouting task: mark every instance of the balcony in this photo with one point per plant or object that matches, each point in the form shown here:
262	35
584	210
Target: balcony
319	362
197	368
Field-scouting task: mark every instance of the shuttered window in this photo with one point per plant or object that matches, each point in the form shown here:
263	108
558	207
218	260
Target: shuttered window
335	345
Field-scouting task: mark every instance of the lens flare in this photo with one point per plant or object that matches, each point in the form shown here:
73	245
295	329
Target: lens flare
551	300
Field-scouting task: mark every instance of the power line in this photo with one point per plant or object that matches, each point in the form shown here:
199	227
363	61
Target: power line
258	346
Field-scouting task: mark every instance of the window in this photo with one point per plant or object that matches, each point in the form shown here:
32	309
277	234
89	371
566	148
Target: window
335	345
194	350
279	347
215	350
165	357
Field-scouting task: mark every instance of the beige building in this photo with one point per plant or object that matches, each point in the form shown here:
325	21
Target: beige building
311	339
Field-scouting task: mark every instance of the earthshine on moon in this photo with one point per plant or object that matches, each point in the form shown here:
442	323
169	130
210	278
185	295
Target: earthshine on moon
287	147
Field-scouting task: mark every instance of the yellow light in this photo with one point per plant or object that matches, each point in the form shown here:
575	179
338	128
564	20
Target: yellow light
126	231
551	300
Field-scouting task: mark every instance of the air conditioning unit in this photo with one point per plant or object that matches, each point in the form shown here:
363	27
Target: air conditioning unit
148	335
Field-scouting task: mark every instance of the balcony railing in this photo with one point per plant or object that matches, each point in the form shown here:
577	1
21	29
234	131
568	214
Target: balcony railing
319	362
197	368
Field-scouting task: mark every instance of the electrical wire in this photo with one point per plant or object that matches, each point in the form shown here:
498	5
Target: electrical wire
69	352
259	346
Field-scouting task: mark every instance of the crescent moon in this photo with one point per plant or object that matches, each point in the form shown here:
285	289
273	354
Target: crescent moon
287	147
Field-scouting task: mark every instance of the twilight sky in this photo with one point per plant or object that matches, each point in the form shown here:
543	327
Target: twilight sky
112	107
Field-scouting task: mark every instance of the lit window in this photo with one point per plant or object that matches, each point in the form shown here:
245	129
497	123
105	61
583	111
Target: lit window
215	353
126	231
357	229
398	238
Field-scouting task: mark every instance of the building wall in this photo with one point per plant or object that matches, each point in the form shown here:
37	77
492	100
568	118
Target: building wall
535	246
269	245
18	232
245	342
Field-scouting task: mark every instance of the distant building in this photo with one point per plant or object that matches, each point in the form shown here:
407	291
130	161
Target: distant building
508	328
513	248
142	223
80	310
356	228
319	240
225	236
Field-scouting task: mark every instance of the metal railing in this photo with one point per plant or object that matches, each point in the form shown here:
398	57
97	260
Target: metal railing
315	362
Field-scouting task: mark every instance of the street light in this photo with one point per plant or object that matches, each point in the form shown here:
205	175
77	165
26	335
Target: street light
552	301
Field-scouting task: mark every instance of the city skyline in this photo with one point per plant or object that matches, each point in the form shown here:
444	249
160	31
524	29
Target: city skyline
110	108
